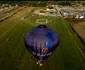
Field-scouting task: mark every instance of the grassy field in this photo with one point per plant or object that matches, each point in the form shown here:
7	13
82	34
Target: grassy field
14	56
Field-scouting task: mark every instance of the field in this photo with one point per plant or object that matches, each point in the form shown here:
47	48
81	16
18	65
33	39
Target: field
80	29
70	54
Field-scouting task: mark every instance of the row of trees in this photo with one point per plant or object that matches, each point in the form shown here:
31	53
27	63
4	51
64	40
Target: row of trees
37	3
28	3
44	3
64	3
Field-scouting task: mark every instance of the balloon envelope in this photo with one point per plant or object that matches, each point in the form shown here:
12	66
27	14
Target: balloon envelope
41	41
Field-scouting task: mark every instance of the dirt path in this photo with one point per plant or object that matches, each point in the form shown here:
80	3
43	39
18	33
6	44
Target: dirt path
74	40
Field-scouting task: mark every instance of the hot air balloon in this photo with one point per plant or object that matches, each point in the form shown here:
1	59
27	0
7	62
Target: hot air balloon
41	41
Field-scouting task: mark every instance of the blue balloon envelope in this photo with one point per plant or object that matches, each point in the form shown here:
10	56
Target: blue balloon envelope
41	41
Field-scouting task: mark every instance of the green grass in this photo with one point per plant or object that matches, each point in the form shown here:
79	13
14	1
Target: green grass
77	39
14	55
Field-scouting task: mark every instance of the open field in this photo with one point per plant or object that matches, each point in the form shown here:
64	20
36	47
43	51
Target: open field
70	54
80	29
8	13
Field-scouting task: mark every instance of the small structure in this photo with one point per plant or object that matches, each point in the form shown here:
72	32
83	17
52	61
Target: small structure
47	9
51	10
81	17
42	13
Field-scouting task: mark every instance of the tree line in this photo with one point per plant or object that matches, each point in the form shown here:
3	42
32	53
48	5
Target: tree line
43	3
